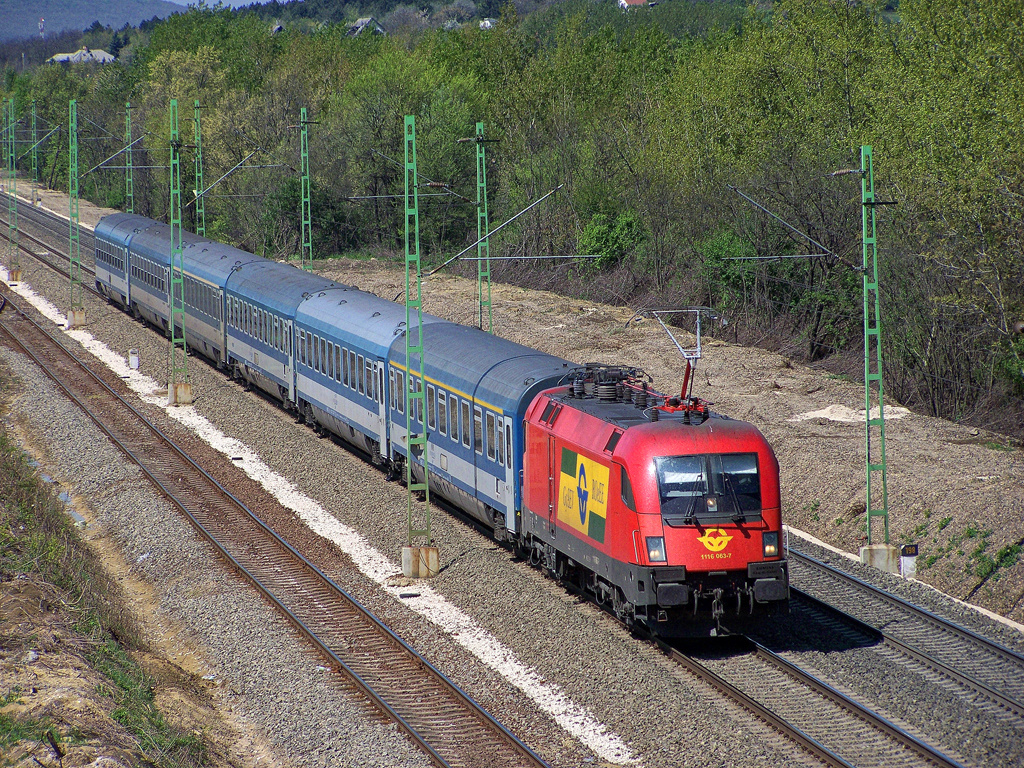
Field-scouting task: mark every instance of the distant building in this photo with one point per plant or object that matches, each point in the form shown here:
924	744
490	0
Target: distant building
488	24
82	56
366	26
627	4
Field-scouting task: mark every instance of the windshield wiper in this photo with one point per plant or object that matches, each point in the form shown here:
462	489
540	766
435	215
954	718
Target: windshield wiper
738	516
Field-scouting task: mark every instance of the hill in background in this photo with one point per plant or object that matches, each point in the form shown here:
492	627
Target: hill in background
21	17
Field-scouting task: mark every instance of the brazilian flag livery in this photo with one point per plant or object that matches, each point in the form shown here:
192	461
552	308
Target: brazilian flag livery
583	495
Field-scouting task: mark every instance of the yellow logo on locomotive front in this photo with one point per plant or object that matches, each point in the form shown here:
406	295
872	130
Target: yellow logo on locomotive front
583	495
716	539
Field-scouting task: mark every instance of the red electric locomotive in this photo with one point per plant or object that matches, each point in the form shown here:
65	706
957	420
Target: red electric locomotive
662	510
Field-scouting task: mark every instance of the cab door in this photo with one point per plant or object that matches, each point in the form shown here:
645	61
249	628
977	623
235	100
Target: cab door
552	484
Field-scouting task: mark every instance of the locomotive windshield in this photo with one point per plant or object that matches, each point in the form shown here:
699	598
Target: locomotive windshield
710	488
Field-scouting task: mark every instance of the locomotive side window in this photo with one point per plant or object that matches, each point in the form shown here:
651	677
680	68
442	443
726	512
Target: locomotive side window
627	489
547	411
478	430
490	437
442	412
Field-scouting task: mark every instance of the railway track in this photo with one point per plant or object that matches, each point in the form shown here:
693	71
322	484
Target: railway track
827	724
401	684
977	665
50	246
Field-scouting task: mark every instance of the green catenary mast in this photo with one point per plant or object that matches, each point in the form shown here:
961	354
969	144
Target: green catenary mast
414	394
76	315
198	159
179	389
35	149
11	161
129	176
306	246
483	264
875	462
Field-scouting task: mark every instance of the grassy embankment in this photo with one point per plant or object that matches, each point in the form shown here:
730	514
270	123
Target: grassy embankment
38	542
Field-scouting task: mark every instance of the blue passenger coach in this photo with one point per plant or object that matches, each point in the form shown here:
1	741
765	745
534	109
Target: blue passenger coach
261	298
343	336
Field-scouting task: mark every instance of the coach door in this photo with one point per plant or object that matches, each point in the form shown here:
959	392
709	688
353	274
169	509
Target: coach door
128	272
382	413
289	366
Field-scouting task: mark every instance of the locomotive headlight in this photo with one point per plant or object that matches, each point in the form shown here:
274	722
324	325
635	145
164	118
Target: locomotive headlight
770	543
656	549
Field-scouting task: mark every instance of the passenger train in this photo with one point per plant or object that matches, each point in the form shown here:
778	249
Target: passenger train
662	510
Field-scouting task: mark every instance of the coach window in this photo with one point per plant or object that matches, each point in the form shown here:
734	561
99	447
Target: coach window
331	349
352	369
309	349
442	412
453	416
337	363
344	363
431	407
379	386
391	386
359	374
400	391
478	430
323	356
490	436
